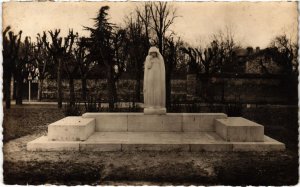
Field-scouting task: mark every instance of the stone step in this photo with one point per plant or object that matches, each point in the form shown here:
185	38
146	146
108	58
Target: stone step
238	129
71	128
154	141
171	122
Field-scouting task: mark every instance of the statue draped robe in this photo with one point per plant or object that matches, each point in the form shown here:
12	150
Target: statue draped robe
154	81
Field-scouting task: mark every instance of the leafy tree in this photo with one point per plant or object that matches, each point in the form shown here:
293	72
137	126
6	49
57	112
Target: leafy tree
107	47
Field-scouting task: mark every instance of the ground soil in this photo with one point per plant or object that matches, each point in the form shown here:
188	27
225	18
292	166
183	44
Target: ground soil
23	124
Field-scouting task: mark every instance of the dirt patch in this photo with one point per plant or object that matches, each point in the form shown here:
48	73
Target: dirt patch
20	121
156	168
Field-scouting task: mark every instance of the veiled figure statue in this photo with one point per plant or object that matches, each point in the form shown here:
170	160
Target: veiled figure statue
154	83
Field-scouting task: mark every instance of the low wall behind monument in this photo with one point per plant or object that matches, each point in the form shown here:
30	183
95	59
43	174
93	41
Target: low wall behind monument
98	89
242	90
248	90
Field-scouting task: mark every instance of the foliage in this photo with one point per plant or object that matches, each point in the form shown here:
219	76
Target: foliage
108	48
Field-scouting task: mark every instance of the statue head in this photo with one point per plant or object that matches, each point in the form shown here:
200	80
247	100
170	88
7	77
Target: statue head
153	52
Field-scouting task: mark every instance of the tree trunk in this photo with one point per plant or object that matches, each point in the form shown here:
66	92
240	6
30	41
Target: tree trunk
40	91
168	89
110	82
83	87
114	90
223	90
59	85
160	44
138	87
72	91
19	88
14	91
7	89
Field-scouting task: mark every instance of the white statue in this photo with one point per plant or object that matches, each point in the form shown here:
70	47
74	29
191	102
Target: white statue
154	83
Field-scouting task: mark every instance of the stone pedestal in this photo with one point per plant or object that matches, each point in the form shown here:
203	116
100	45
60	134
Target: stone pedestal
238	129
155	111
71	129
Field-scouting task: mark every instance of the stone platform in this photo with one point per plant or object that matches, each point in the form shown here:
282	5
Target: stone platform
170	132
138	122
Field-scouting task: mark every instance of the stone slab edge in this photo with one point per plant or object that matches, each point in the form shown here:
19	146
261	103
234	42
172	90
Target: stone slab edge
42	144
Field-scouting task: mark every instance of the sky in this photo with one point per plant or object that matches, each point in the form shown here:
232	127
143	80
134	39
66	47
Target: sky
253	23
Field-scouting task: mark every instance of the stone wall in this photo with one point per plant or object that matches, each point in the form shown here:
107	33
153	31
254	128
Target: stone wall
98	89
245	90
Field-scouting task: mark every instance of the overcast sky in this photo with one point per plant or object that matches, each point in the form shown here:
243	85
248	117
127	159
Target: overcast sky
254	23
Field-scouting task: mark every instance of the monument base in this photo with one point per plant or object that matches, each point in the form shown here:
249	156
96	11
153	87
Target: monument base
154	141
155	111
169	132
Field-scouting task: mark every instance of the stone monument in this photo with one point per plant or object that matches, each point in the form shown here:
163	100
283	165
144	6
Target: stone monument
154	130
154	83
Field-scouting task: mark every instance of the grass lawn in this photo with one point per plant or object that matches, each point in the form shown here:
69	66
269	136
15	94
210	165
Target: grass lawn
23	124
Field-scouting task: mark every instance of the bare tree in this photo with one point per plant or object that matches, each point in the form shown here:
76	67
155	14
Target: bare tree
43	61
193	64
162	17
24	65
59	50
172	49
144	15
11	44
285	53
223	46
85	64
138	44
70	66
